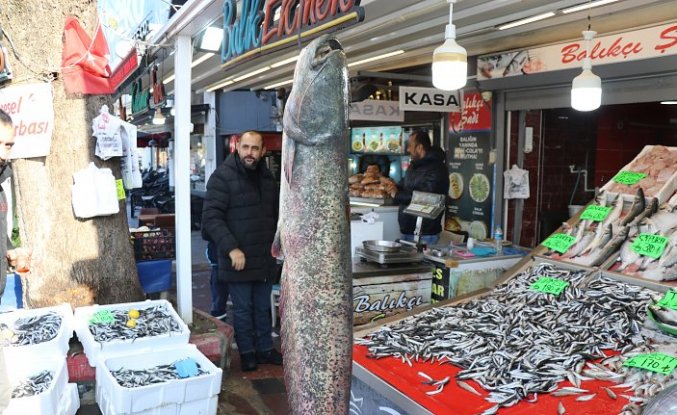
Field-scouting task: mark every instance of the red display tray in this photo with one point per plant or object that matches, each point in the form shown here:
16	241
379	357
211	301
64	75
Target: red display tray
456	401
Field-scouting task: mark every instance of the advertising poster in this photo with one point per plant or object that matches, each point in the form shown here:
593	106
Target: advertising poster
32	110
381	140
471	169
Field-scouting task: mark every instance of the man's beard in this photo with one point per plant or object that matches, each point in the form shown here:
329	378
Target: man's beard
251	166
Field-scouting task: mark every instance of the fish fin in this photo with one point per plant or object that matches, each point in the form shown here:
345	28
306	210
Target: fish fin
290	153
276	247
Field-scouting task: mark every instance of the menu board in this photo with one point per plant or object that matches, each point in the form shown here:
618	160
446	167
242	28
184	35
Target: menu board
381	140
471	170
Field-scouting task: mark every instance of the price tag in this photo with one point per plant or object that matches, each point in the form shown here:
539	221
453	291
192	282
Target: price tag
655	362
669	300
102	317
596	213
649	245
549	285
120	188
628	177
559	242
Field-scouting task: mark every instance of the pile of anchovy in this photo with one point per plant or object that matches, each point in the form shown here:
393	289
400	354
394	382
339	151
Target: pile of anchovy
152	321
34	385
516	342
32	330
136	378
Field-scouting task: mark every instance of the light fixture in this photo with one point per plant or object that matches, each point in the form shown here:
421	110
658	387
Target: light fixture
252	73
527	20
376	58
273	86
670	102
586	90
587	5
284	62
219	85
450	61
211	39
158	118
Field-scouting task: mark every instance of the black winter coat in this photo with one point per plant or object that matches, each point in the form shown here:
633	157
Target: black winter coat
428	174
240	211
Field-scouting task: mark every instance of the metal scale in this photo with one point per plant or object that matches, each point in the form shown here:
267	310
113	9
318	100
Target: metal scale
423	205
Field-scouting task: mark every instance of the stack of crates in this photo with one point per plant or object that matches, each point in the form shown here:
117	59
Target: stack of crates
196	395
22	362
154	251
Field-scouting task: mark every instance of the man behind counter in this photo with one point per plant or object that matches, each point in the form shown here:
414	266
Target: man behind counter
427	173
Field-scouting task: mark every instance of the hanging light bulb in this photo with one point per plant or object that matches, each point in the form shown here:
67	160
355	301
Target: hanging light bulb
586	89
158	118
450	61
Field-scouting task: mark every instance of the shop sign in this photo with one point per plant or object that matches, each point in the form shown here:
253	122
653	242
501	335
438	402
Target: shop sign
429	99
376	110
475	114
254	30
31	107
646	43
440	284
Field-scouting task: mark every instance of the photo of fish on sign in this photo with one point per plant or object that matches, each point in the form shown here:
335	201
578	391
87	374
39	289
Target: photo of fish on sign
313	234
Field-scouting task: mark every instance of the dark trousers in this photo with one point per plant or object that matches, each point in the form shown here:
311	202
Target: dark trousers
251	315
219	288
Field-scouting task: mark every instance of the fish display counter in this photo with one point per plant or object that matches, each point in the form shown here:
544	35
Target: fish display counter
459	271
551	338
383	290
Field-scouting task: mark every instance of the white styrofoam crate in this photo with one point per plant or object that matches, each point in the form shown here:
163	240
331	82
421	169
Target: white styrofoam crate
664	193
94	349
48	401
70	400
192	395
56	346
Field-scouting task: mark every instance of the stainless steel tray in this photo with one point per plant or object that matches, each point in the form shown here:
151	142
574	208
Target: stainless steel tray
382	246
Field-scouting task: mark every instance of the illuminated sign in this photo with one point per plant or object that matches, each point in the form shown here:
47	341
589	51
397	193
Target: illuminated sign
256	31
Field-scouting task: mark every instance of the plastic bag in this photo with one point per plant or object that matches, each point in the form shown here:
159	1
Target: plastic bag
94	193
106	128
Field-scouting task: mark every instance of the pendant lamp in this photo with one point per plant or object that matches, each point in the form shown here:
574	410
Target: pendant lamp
450	61
586	89
158	118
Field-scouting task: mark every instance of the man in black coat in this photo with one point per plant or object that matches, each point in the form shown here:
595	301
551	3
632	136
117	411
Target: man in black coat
240	215
427	173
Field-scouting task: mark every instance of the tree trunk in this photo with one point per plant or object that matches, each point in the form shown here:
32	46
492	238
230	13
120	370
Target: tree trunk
75	261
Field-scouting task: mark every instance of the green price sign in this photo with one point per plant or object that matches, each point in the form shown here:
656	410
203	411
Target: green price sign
102	317
649	245
120	188
669	300
559	242
628	177
596	213
549	285
655	362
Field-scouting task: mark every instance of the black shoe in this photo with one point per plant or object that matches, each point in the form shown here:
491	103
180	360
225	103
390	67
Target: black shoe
248	361
272	357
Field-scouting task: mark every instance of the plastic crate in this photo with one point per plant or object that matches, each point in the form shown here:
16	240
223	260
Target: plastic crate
94	349
58	346
194	395
154	244
48	401
70	400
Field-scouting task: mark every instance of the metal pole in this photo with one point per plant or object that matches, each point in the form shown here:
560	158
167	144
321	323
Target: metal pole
184	284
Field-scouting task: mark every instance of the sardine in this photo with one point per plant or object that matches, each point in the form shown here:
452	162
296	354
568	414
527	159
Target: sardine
313	234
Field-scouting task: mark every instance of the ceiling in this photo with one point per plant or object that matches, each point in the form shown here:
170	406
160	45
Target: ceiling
417	27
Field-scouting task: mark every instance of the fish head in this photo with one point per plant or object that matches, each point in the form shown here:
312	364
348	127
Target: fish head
317	107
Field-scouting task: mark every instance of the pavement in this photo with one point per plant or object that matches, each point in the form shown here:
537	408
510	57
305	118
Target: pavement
261	392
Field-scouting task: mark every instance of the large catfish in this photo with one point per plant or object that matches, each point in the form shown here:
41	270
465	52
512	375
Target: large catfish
314	234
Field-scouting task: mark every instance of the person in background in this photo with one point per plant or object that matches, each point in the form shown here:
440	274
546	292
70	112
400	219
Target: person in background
240	215
219	288
427	173
16	257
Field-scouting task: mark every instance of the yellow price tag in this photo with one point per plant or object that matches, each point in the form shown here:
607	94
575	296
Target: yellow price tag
121	189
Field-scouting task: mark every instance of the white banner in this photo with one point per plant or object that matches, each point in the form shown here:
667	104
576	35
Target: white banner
31	107
647	43
429	99
376	110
